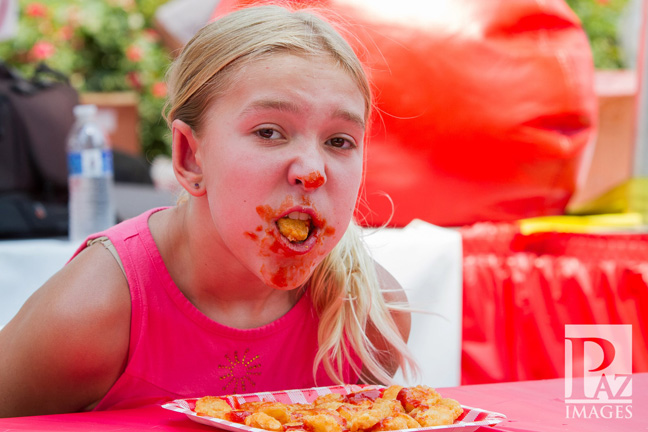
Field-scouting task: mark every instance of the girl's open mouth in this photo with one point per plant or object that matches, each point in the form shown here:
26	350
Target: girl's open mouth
296	226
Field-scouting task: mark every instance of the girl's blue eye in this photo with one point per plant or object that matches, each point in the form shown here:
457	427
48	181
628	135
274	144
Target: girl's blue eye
339	142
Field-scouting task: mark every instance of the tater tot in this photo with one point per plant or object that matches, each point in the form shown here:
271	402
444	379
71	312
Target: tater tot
212	406
263	421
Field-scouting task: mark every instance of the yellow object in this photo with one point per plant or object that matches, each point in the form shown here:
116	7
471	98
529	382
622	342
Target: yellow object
629	197
583	224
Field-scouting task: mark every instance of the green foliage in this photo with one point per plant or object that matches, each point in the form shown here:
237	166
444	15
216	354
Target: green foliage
600	19
103	46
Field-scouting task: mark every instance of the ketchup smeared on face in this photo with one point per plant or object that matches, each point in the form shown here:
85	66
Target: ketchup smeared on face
313	180
291	265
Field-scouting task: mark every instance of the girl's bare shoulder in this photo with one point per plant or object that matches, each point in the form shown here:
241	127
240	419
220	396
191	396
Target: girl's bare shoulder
68	343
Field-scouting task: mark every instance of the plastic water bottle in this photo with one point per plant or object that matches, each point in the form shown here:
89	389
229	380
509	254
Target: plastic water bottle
90	176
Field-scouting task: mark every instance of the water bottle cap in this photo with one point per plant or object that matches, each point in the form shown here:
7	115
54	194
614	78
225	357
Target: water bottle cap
85	110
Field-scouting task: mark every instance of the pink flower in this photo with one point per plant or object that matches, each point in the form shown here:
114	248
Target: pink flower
134	53
66	32
159	89
151	35
42	50
36	10
603	2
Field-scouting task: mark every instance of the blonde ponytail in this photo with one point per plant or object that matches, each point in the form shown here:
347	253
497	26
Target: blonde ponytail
347	296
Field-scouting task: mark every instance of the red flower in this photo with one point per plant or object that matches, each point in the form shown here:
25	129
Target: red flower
36	10
42	50
134	80
159	89
134	53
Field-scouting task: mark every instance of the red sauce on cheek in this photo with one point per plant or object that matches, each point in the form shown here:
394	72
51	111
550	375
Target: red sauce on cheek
253	236
265	211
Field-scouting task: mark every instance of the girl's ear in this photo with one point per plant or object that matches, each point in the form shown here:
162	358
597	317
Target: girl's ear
186	158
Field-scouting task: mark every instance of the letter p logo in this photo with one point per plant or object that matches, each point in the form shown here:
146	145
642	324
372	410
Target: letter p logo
602	356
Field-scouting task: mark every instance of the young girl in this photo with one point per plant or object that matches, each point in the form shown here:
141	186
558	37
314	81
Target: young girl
257	280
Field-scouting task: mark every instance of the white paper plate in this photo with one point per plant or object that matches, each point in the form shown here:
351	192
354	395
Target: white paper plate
470	420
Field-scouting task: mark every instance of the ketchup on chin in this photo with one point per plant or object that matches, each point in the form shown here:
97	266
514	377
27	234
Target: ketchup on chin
291	266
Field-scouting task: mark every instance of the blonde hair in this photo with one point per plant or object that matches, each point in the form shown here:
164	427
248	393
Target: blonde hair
344	288
200	74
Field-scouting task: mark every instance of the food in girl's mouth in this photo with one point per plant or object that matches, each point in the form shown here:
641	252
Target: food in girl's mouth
295	227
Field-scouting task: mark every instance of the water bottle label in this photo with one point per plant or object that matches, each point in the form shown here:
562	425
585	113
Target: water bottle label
74	163
90	163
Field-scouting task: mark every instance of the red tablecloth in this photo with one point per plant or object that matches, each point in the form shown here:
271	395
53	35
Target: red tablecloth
539	406
519	292
529	406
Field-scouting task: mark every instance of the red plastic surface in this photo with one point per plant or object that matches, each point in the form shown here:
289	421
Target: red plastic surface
521	290
484	109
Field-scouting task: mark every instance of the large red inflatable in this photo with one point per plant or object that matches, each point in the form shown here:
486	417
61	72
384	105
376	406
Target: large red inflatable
484	109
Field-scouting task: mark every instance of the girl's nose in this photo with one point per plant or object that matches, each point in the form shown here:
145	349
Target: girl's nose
307	170
312	180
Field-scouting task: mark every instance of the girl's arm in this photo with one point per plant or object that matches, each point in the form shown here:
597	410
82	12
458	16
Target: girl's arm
68	343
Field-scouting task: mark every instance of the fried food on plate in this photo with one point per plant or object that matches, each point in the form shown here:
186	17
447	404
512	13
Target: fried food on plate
389	409
441	413
213	406
262	420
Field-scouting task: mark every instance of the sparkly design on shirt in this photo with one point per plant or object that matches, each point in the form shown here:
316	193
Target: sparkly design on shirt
239	372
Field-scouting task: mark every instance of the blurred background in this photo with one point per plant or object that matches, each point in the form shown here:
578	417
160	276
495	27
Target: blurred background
116	52
108	46
103	47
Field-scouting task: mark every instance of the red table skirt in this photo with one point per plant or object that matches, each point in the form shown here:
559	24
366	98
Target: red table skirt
521	290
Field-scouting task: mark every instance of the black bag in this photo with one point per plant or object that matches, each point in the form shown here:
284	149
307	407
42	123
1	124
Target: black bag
35	117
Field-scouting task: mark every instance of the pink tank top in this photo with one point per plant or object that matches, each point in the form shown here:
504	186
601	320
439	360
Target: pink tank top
177	352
